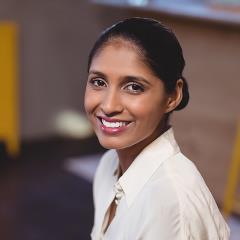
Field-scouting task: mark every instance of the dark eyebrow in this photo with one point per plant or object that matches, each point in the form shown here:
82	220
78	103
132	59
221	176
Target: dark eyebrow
137	78
97	73
126	78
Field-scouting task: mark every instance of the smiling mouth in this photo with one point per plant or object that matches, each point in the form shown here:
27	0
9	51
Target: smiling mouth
113	124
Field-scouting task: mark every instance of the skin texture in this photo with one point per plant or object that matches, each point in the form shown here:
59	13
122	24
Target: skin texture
121	86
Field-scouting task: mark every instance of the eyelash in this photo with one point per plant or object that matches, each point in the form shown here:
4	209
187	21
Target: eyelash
140	87
95	82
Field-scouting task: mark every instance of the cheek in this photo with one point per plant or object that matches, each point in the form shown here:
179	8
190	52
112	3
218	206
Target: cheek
149	108
90	100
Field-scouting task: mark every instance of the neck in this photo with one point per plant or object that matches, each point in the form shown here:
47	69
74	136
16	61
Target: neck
127	155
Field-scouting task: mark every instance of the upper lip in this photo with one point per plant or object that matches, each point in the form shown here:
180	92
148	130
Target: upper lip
112	119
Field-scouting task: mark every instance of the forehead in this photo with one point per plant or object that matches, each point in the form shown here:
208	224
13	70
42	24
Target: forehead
120	55
121	43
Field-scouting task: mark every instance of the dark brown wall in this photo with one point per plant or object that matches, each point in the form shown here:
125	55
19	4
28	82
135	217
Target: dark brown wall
55	40
55	37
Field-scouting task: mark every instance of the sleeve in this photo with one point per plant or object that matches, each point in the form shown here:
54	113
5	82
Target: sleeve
182	213
202	218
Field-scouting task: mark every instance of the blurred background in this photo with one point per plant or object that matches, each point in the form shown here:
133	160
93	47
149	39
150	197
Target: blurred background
48	152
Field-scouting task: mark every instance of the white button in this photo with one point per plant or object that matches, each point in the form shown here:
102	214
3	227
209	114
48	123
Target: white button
118	193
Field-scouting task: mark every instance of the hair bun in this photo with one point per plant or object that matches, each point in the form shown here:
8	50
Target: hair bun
185	97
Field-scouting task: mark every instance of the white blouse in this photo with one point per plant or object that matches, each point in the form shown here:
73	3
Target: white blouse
161	196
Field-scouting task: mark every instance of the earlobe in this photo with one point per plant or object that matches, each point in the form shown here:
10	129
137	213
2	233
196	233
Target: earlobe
171	104
176	97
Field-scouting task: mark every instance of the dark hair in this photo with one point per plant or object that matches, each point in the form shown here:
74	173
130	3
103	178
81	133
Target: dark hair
159	47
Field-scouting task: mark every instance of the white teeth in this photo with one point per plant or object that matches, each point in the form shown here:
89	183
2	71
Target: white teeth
113	124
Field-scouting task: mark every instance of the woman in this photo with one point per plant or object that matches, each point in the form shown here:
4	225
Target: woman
144	187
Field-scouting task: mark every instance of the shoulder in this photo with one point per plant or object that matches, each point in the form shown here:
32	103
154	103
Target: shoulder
180	165
175	177
186	179
201	217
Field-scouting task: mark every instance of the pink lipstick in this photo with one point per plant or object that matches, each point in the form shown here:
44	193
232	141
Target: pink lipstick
112	126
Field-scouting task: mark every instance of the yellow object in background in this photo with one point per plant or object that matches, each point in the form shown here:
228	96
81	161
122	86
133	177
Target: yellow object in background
9	121
231	202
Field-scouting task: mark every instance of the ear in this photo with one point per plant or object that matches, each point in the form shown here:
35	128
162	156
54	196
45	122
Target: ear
175	98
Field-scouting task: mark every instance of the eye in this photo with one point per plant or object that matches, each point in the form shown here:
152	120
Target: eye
97	82
134	88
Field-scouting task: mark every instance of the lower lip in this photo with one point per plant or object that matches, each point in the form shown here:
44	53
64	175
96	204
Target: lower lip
114	130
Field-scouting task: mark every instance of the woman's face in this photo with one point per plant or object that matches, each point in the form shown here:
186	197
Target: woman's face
124	101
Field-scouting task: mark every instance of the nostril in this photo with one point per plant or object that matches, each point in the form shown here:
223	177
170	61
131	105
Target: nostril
111	107
112	114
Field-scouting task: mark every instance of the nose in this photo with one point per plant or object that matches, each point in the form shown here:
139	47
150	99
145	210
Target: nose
111	103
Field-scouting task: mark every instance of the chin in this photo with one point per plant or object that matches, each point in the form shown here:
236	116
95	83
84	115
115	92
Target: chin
113	143
110	144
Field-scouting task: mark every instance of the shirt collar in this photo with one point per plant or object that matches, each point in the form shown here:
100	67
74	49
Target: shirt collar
140	171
